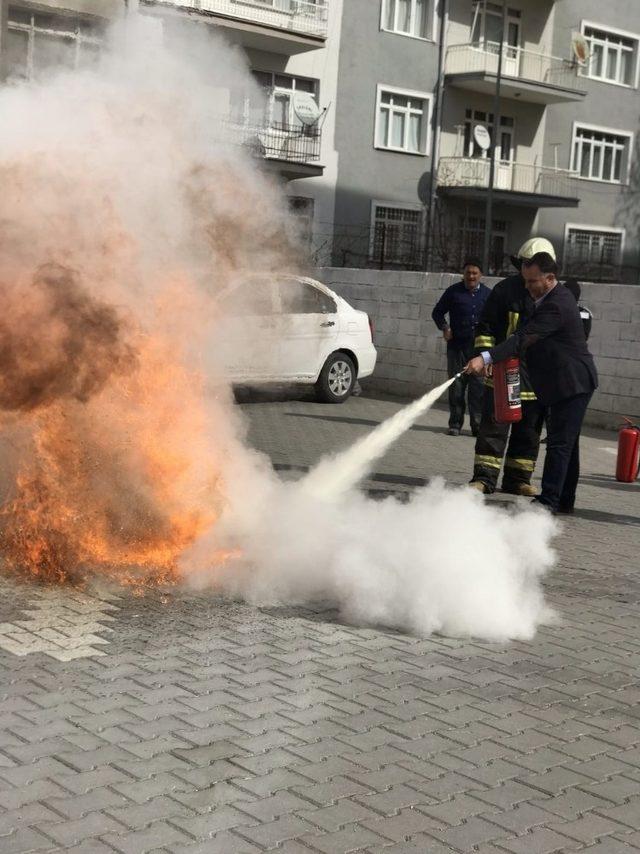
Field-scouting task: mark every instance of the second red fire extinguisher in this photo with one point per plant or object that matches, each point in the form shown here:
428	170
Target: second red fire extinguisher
507	406
628	462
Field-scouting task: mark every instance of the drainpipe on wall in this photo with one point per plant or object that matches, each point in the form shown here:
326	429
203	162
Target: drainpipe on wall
435	139
495	137
4	17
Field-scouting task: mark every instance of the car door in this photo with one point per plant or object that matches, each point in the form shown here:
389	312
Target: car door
308	324
247	342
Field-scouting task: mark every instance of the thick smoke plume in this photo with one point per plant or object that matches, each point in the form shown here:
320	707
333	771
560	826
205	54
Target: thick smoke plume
57	341
124	213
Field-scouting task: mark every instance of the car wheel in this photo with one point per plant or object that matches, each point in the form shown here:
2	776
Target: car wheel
337	379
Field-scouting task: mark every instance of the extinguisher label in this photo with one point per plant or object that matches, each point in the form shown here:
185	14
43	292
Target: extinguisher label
513	387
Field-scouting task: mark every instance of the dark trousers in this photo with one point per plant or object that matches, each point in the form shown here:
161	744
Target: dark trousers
521	446
465	386
562	462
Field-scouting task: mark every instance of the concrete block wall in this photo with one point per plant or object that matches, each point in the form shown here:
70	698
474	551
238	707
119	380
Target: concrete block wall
412	354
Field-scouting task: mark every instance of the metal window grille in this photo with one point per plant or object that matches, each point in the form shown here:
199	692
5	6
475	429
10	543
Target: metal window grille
396	235
593	253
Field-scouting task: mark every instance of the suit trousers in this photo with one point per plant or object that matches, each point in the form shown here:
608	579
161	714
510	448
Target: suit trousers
466	386
562	462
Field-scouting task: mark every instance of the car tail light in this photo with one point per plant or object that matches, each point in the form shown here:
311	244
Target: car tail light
372	328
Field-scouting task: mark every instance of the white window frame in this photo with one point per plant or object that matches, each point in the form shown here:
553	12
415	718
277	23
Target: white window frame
432	13
74	32
403	206
579	226
426	115
629	135
474	122
614	31
270	94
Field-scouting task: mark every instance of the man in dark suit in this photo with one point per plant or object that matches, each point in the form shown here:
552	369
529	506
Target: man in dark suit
562	373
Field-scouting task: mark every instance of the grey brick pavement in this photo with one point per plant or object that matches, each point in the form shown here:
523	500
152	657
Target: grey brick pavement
197	725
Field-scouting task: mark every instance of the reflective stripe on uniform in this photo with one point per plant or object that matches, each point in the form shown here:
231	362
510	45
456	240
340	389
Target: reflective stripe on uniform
528	395
514	317
519	463
484	341
484	460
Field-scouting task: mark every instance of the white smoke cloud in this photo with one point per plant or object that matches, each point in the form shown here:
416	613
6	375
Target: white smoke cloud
123	175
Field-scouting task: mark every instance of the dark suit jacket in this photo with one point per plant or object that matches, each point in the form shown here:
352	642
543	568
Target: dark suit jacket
558	359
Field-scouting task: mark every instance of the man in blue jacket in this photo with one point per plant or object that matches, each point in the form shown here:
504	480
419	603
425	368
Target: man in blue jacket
463	304
562	373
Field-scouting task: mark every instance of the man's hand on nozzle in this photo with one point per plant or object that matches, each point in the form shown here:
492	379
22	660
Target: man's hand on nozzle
447	334
475	366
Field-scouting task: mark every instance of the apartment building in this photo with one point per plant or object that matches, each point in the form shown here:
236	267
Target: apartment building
346	117
565	145
291	48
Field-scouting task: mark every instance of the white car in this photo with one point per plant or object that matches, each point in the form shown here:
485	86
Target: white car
291	329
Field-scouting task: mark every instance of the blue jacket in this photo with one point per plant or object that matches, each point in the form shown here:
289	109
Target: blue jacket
464	308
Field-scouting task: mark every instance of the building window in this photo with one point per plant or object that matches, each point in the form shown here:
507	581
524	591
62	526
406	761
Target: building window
593	252
301	209
487	26
600	155
612	58
397	235
39	42
407	17
402	120
473	118
472	241
273	102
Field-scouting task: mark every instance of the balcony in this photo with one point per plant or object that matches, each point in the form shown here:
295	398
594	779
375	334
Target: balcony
283	26
515	183
526	75
293	151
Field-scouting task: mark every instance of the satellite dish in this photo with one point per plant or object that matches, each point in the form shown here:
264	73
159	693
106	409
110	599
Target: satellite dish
305	108
580	48
482	137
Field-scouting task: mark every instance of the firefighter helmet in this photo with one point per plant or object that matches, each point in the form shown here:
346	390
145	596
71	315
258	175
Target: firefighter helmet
534	245
529	249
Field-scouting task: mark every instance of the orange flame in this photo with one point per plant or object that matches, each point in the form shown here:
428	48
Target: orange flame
116	483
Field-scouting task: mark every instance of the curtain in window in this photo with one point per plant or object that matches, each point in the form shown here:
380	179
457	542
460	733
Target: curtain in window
404	16
397	130
420	28
384	127
414	133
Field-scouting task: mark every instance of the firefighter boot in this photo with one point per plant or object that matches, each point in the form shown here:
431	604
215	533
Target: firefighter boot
520	489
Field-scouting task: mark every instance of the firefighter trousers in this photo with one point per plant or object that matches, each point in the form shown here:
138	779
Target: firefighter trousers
521	446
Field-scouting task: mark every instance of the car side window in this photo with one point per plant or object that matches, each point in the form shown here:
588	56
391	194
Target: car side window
252	298
302	298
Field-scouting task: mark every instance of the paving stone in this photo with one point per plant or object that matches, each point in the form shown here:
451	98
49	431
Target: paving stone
214	726
271	833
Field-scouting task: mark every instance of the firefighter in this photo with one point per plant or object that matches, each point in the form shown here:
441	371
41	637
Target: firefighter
506	310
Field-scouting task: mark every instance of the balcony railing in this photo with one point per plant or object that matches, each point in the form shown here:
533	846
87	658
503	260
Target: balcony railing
291	143
525	65
308	17
509	175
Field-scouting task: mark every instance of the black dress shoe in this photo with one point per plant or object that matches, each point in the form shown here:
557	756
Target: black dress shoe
566	510
543	506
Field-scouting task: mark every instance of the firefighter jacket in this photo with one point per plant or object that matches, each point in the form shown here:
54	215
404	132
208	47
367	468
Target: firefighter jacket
507	309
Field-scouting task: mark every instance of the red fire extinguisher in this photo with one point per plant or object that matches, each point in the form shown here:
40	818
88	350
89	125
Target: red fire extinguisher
507	406
628	462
